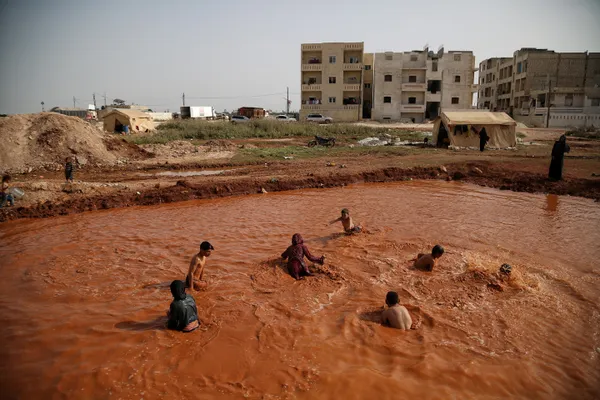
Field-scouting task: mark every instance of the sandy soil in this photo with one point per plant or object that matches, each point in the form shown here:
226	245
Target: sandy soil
174	173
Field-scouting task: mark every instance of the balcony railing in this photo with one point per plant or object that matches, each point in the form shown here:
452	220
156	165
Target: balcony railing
414	108
351	106
312	47
352	87
414	65
312	106
414	87
433	97
314	87
312	67
353	66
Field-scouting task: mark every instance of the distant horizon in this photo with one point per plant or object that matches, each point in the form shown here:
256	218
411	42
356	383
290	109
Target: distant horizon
228	54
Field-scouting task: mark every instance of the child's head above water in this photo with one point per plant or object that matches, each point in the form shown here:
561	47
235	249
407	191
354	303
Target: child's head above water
391	299
345	212
205	248
437	251
178	290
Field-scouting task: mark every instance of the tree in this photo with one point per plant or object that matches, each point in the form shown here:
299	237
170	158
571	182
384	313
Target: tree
119	102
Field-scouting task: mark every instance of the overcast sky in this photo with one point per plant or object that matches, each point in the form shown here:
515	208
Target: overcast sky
229	53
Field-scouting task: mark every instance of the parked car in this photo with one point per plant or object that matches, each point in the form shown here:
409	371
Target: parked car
285	118
319	118
239	119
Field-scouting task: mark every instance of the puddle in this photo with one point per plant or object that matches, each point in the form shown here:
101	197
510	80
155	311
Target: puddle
189	173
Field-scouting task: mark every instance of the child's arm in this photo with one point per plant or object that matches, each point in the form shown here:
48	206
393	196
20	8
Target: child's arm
189	279
335	220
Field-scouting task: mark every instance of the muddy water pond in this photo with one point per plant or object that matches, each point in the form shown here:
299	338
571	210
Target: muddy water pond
84	298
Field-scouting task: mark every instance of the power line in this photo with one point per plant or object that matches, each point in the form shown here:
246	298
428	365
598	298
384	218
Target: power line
235	97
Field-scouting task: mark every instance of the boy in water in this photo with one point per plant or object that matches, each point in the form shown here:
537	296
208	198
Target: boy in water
396	316
295	255
183	314
69	169
426	262
193	280
347	223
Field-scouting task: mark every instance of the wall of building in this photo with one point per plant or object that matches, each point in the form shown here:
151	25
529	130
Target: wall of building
367	85
382	67
462	65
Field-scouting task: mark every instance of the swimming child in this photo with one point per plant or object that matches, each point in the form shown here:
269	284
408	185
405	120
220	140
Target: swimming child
395	315
426	262
295	255
183	314
193	279
5	196
347	223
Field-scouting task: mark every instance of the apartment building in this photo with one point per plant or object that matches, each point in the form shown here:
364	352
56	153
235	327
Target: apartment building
418	85
526	84
332	80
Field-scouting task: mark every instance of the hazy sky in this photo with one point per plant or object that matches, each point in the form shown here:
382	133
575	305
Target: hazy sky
229	53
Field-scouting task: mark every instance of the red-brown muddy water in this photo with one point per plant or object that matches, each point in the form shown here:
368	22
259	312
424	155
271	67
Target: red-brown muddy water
83	299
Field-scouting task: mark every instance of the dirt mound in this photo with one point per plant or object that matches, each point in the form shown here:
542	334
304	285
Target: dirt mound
44	140
176	148
220	145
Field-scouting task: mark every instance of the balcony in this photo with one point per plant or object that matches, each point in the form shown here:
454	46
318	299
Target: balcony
312	106
352	87
414	87
414	65
351	106
412	108
312	67
353	46
474	87
312	47
353	67
314	87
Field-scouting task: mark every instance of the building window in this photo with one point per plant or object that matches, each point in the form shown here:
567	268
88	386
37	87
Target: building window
414	57
569	100
387	99
434	66
457	57
456	78
412	100
595	102
455	100
367	86
389	57
494	77
331	59
519	67
412	78
353	60
332	79
367	67
387	78
332	99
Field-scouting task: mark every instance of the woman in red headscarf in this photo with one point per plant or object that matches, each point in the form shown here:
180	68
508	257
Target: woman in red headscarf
295	255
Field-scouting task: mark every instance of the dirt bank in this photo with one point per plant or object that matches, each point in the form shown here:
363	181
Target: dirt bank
480	173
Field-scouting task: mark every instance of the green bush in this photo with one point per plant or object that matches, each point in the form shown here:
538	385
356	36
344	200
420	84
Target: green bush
261	128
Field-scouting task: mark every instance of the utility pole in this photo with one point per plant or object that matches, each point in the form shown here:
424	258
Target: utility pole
183	99
287	102
94	97
42	106
548	103
104	99
74	101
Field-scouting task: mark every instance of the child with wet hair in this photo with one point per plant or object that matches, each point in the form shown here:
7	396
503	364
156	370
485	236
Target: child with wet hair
395	315
347	223
426	262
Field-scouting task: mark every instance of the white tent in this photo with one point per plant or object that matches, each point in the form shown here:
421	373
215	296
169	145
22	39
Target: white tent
461	129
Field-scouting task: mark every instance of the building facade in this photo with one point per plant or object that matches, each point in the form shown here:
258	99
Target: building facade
539	87
417	85
332	80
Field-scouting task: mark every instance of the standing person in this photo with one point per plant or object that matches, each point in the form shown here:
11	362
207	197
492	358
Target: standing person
193	279
69	169
483	139
295	255
183	314
5	195
395	315
558	158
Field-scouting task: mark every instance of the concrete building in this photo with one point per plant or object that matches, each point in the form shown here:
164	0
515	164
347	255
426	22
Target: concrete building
534	80
418	85
332	80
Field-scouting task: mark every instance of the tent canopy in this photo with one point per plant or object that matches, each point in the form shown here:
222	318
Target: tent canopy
137	121
461	128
